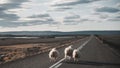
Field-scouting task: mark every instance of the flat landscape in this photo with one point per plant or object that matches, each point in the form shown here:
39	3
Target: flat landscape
96	51
16	48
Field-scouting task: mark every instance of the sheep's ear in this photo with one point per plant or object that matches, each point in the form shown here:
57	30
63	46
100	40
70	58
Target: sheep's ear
71	45
55	48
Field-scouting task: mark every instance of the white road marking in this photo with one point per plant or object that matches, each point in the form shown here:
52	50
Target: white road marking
57	64
53	66
84	44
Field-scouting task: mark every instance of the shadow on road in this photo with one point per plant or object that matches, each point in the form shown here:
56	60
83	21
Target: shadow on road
95	63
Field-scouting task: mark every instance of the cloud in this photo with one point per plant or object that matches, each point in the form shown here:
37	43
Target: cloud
39	16
74	19
114	19
43	16
40	19
8	16
10	19
37	19
95	17
62	8
2	9
70	2
65	8
7	5
12	4
100	15
70	22
4	23
86	20
14	24
63	5
107	9
71	19
117	16
118	5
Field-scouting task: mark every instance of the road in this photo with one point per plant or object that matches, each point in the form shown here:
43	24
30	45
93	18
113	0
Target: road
94	54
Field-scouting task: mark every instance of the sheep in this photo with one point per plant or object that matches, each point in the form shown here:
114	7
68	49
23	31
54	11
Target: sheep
68	52
53	54
76	54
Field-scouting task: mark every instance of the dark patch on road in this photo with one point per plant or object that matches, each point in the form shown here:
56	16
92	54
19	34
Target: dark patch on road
94	63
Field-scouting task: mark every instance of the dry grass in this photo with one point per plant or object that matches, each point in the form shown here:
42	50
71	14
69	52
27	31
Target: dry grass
14	52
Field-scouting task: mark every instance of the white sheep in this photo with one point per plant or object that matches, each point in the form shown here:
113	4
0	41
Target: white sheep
53	54
68	52
76	54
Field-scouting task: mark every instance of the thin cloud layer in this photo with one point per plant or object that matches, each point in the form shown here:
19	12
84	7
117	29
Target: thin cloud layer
71	19
8	19
8	16
70	2
62	8
39	16
41	19
12	4
107	9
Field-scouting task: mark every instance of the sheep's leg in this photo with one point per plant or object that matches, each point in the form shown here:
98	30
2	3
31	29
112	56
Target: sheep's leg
65	56
50	60
55	59
69	58
74	60
77	59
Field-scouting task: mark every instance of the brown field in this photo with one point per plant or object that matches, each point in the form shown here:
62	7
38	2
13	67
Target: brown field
14	41
16	48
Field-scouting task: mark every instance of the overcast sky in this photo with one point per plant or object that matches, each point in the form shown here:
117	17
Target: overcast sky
59	15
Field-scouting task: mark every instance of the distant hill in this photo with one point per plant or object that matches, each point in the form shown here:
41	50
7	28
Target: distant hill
39	33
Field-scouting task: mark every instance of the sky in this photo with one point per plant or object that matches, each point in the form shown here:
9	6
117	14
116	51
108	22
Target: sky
59	15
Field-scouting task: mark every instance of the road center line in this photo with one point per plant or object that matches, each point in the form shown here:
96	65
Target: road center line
84	44
57	64
53	66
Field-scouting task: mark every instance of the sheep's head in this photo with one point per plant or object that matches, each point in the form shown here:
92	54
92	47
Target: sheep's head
70	46
53	48
76	50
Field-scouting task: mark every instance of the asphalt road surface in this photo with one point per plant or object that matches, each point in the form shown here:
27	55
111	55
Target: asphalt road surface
94	54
